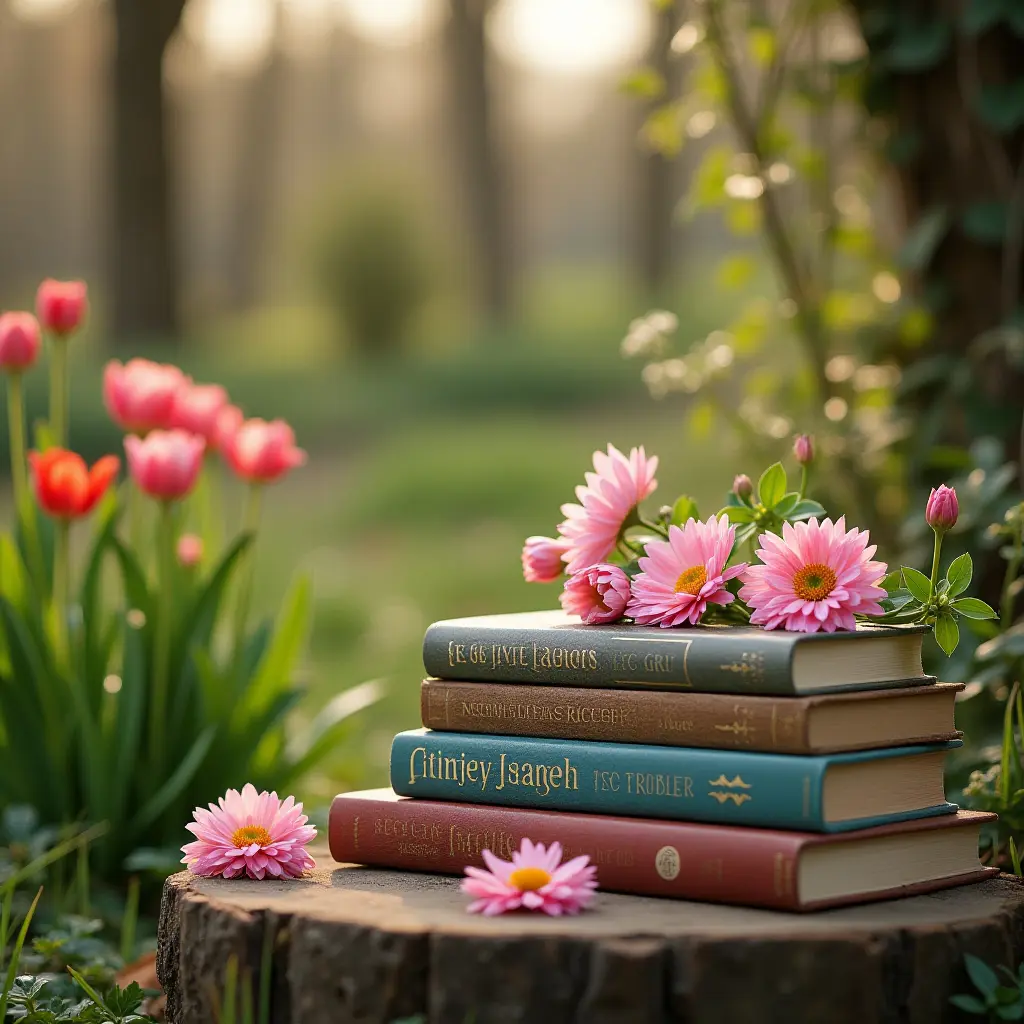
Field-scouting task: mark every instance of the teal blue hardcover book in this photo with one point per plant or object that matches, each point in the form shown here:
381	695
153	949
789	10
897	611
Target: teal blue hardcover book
829	793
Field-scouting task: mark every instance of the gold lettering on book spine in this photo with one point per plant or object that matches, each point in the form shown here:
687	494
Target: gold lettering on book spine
737	798
741	726
729	784
749	665
355	832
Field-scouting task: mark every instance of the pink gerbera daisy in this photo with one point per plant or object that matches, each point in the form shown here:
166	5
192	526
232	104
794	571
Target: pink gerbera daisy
596	594
535	879
816	576
681	576
611	493
249	833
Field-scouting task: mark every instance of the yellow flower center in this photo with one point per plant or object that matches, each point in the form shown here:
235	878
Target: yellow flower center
814	582
692	580
529	879
249	834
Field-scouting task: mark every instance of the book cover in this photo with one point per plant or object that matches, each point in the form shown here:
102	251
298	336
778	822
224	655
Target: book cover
877	718
714	863
552	647
680	783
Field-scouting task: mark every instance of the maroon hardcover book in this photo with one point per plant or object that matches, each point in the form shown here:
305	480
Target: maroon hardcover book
713	863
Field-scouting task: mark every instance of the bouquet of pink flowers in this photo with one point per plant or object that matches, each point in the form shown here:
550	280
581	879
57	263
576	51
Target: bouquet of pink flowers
771	557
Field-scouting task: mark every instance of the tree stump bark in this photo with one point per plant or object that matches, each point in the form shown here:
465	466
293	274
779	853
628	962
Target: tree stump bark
350	944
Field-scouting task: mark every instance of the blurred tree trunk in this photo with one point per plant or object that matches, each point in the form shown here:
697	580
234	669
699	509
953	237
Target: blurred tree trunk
657	190
481	171
144	272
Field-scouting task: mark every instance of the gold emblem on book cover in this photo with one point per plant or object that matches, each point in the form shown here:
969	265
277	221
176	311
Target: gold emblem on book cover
730	784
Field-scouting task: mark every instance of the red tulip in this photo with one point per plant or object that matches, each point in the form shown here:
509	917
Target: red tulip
166	463
261	452
19	341
140	395
197	408
65	487
61	305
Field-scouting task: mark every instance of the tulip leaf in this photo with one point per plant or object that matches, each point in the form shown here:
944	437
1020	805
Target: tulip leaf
771	488
973	608
917	583
947	633
959	574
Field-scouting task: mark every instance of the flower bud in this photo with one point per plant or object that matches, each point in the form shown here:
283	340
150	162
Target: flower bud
743	486
803	449
19	341
61	305
942	509
189	550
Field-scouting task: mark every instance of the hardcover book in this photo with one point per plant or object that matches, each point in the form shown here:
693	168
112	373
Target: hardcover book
830	723
713	863
826	793
553	647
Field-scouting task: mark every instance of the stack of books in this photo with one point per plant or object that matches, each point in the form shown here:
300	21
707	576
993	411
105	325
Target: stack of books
726	764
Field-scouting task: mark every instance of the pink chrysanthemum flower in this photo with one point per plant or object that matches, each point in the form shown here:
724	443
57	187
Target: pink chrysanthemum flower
615	488
816	576
596	594
535	879
250	833
681	576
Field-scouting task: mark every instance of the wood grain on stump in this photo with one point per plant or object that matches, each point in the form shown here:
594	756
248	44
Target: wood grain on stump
351	944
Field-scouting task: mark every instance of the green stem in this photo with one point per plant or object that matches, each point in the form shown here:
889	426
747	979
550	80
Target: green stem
16	419
934	581
61	586
162	643
656	527
804	477
59	392
250	524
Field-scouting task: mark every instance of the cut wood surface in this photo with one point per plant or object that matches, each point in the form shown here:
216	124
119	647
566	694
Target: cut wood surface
350	944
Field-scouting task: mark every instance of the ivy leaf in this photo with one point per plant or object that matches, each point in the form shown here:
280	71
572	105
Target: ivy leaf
985	979
771	488
924	238
973	608
806	509
684	508
1002	106
959	574
947	634
917	583
981	15
920	47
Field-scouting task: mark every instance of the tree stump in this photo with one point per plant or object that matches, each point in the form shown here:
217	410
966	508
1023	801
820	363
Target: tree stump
350	944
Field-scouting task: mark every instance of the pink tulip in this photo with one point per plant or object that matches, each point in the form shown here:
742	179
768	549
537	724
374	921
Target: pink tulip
196	409
229	419
140	395
190	550
19	341
61	305
166	463
942	509
261	452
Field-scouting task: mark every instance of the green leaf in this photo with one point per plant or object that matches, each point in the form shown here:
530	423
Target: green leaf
744	533
289	636
981	15
180	778
1006	995
685	508
806	509
897	600
737	515
1015	858
986	222
12	967
771	488
973	608
784	507
924	238
959	574
947	633
920	47
1002	106
985	979
917	583
646	83
970	1004
892	582
1011	1011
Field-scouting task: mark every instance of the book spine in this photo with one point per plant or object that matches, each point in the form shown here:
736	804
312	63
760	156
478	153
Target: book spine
681	783
698	862
618	716
706	661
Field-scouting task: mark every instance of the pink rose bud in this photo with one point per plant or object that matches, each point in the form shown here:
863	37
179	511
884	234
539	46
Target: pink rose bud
190	550
742	486
596	594
140	395
61	305
19	341
803	449
165	463
942	509
261	452
197	408
542	559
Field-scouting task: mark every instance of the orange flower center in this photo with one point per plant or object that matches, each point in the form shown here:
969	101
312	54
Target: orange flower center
692	580
249	834
814	582
529	879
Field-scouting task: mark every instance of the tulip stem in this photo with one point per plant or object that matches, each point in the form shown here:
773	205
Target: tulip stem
59	392
61	573
250	524
16	418
162	641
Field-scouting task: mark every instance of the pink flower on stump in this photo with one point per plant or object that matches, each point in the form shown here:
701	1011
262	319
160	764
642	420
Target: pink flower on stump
815	577
542	559
19	341
535	879
249	833
61	305
189	550
196	409
611	494
596	594
140	395
165	463
261	452
681	576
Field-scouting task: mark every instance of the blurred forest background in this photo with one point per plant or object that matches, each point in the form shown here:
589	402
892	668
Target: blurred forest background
420	229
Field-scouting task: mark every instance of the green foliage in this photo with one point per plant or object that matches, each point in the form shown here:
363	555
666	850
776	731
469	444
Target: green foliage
997	999
769	507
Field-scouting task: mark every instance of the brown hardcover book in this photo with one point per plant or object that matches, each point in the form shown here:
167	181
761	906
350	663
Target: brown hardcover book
713	863
832	723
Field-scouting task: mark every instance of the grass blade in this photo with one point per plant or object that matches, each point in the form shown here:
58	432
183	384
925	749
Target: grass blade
1015	858
172	788
12	967
89	990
